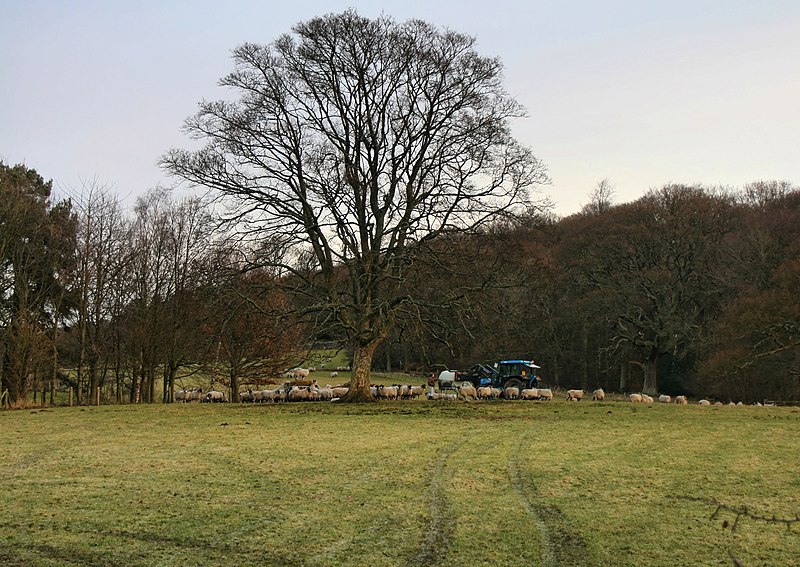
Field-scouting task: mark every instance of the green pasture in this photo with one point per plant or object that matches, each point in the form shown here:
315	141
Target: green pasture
400	484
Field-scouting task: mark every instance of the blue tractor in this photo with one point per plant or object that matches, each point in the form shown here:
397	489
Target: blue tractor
503	374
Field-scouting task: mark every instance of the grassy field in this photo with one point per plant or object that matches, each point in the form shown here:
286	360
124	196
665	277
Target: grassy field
399	484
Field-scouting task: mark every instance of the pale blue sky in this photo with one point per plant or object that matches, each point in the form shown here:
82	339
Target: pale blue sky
642	93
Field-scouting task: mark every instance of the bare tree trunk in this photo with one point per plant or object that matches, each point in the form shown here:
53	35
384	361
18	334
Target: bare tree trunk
151	384
585	357
234	375
650	368
362	366
623	376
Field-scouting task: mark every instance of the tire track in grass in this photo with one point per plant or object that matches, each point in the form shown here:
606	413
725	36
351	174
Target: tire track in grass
562	543
435	544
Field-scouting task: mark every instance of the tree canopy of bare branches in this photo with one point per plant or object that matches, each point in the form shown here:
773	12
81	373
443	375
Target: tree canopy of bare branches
352	144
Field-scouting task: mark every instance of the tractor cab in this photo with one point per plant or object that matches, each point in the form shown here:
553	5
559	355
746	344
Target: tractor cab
503	374
516	373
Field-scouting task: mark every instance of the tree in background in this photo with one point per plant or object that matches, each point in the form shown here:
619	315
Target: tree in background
753	349
355	143
37	241
251	328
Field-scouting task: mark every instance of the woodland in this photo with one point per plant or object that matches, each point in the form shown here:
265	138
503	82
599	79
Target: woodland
686	290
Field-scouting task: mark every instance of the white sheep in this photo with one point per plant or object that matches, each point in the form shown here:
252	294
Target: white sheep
326	393
681	400
704	403
468	391
417	391
511	393
665	399
529	394
598	395
300	372
334	374
574	395
636	398
496	393
195	395
388	392
647	399
485	392
297	394
545	394
340	391
216	397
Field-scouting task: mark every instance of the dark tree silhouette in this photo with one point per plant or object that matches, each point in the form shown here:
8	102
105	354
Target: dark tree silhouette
354	143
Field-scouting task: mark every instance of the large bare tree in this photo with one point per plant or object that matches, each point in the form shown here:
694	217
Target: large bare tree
354	143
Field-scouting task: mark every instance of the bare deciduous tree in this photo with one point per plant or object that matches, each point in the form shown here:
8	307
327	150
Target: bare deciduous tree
354	142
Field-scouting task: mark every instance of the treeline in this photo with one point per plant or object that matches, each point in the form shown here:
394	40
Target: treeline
687	290
95	297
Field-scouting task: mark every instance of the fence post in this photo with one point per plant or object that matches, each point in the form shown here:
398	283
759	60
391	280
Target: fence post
70	396
97	395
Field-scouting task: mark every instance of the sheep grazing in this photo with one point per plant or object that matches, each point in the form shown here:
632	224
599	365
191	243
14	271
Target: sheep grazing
647	399
681	400
704	403
442	396
718	403
598	395
340	391
334	374
325	393
261	396
545	394
574	395
417	391
387	392
665	399
215	397
511	393
636	398
496	393
468	391
247	397
300	372
484	392
193	395
529	394
297	394
180	396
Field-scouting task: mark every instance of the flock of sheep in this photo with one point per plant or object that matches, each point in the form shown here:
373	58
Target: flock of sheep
600	395
468	391
305	392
